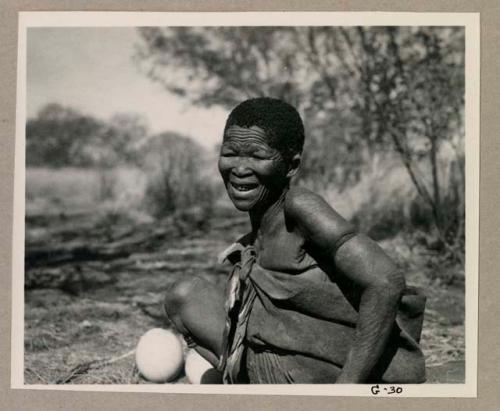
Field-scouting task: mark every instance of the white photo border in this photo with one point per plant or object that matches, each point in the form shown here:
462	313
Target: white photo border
471	23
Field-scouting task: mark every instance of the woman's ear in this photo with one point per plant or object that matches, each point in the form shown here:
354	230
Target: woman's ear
294	165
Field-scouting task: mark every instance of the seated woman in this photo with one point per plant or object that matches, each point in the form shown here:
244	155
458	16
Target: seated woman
309	300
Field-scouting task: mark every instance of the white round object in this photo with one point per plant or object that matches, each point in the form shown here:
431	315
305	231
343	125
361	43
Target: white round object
200	371
159	355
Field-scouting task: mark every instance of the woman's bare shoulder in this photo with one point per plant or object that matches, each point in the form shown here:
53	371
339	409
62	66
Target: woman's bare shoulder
314	216
300	198
303	203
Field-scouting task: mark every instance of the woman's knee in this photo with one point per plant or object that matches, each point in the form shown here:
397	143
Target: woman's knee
179	294
195	307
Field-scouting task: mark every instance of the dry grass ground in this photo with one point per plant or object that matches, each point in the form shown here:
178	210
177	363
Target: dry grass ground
75	324
443	335
72	331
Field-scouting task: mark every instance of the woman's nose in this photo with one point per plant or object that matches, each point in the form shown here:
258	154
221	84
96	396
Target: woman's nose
242	170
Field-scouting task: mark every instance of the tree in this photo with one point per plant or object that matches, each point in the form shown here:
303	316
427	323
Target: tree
58	135
61	136
414	98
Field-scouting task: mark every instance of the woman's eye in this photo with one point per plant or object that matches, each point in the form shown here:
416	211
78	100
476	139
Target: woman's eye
260	156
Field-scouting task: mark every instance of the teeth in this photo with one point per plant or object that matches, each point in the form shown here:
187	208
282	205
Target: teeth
240	187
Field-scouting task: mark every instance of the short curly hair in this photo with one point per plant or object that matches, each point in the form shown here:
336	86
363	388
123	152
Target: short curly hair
280	121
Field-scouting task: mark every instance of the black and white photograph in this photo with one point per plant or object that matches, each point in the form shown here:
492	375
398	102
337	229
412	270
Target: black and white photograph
208	201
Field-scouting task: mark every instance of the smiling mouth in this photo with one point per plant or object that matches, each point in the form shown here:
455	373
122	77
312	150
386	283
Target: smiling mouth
244	187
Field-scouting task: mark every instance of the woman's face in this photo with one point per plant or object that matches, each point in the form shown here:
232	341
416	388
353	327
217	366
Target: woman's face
254	173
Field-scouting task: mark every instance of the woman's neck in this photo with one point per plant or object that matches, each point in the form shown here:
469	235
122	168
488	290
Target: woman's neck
261	220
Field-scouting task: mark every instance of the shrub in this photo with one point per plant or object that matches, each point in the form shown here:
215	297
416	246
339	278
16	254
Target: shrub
174	167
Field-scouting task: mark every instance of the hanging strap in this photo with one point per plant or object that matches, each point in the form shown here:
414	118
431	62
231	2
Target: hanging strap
240	297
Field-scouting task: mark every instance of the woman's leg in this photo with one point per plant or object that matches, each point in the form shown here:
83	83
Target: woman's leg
196	309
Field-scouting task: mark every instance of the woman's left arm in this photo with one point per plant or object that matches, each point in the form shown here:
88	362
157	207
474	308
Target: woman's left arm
360	262
363	262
